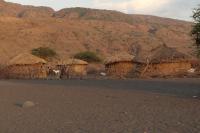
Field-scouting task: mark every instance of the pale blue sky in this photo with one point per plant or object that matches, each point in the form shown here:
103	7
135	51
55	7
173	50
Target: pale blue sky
178	9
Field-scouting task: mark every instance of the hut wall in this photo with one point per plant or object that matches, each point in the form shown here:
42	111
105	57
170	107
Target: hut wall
120	69
35	71
164	69
80	69
77	70
73	70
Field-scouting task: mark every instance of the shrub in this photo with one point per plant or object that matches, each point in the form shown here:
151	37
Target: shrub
44	52
88	56
196	29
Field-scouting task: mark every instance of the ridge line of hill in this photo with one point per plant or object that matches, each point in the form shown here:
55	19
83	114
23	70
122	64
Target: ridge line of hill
73	30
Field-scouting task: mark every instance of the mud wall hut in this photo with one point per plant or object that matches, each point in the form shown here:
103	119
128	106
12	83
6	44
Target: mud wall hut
72	68
26	66
120	65
167	61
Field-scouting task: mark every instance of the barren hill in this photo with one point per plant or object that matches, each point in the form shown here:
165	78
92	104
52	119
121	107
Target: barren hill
72	30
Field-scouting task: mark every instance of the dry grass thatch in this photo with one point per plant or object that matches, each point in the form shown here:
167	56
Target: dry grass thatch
72	62
30	71
164	54
121	57
26	59
120	69
168	69
72	68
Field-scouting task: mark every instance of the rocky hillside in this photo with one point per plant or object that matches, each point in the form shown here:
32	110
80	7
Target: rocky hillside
72	30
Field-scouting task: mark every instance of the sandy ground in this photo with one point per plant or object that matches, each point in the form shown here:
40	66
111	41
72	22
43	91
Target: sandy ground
102	106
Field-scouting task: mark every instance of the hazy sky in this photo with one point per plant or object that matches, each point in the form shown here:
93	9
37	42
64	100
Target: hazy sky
178	9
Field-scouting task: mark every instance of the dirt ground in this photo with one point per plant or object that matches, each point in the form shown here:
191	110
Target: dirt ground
91	106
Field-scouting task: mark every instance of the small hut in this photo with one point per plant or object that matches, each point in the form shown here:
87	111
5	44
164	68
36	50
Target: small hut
72	68
166	61
120	65
26	66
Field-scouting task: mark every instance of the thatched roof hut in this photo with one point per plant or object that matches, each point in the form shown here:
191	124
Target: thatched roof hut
72	68
72	62
121	57
26	59
168	61
119	65
26	66
164	54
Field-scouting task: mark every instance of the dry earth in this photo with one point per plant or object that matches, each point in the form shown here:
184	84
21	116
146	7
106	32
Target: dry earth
98	106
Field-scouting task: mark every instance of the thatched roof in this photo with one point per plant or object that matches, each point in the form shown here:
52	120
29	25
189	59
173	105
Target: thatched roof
72	62
166	54
121	57
25	59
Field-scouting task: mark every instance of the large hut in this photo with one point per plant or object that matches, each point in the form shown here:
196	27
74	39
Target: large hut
26	66
166	61
120	65
72	68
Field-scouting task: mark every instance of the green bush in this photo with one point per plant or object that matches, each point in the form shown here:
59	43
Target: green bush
196	29
88	56
44	52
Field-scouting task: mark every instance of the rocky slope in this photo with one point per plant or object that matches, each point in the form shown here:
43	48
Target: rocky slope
72	30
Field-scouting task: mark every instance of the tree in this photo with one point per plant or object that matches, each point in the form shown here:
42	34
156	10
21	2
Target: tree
44	52
88	56
196	28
